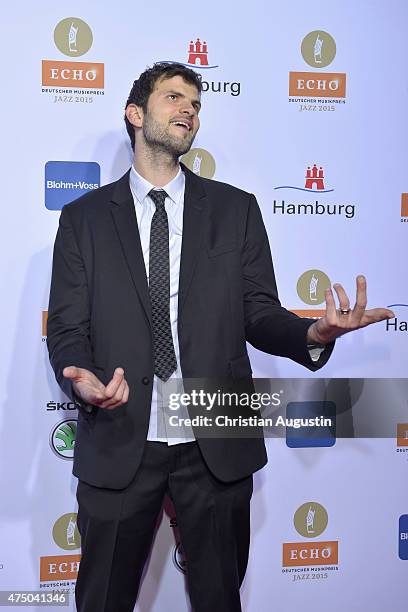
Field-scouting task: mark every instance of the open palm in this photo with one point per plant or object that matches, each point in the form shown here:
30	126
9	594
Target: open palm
339	321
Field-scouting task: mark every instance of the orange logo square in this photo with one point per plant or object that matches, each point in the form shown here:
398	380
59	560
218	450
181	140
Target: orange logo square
317	84
60	567
73	74
404	205
310	553
310	313
402	434
44	322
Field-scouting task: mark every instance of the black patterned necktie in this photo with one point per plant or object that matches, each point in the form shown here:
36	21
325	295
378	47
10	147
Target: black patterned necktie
159	289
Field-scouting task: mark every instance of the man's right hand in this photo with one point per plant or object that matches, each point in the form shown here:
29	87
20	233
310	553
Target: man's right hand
90	389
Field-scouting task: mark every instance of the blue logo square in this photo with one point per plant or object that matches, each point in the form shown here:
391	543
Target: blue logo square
403	537
311	436
66	181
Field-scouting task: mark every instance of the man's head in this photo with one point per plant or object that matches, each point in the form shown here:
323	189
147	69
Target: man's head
163	107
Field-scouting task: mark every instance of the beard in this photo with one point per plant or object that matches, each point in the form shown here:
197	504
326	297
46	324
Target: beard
159	138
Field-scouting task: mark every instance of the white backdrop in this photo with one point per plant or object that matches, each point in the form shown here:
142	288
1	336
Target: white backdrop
260	138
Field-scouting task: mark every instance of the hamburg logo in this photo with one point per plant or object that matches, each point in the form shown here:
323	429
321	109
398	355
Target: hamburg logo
314	181
198	59
197	55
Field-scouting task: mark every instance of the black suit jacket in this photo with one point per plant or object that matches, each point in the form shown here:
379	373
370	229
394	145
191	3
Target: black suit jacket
99	317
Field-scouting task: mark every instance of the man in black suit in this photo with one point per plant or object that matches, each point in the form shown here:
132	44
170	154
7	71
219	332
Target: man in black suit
163	275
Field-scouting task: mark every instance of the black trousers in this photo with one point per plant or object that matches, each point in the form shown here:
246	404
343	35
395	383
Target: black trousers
117	527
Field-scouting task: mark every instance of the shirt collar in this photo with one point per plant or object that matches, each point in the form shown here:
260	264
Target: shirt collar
140	187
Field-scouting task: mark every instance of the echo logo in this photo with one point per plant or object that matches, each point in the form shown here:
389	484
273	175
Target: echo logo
59	567
73	74
66	181
318	51
317	85
310	553
402	434
44	319
310	313
404	207
310	521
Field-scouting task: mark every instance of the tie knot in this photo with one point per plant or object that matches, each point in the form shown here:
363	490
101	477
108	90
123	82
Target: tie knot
158	197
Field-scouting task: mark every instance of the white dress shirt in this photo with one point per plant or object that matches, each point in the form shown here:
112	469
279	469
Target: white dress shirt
145	209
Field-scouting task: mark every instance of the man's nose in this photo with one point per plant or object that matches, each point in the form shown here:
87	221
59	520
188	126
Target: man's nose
188	109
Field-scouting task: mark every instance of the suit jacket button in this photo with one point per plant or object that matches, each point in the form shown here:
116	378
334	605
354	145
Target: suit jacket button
145	380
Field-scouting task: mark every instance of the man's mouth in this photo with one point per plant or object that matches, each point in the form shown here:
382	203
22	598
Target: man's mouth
186	125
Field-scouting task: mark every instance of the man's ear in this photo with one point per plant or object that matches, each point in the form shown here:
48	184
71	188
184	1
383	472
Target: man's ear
135	115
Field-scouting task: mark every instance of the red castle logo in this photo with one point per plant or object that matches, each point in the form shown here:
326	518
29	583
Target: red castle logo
197	53
314	177
197	56
314	181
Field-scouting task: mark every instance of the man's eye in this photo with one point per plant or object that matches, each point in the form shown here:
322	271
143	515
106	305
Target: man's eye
173	96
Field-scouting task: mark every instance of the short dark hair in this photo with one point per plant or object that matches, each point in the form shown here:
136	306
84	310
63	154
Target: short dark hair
144	86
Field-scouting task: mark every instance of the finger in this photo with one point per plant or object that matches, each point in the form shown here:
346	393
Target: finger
111	401
126	394
331	312
361	297
120	397
375	315
71	372
113	385
344	301
95	397
80	375
115	399
123	400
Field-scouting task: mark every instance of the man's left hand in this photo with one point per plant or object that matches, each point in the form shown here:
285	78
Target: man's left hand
339	321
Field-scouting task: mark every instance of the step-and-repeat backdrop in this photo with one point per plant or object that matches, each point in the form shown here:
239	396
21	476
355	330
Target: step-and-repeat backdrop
305	106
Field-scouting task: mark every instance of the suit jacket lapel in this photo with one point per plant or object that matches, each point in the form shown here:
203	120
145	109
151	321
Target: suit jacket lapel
194	203
124	217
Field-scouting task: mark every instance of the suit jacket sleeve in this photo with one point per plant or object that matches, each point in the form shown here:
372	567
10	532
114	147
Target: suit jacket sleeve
68	325
268	326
